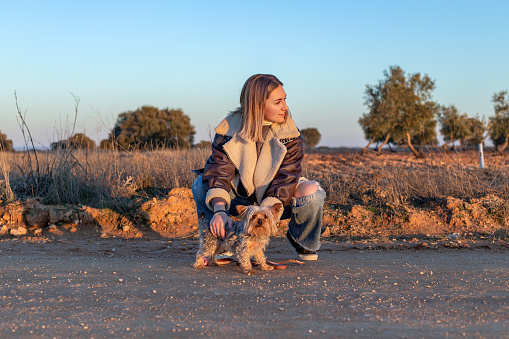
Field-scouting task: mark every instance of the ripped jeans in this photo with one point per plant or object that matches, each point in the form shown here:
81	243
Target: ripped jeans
305	213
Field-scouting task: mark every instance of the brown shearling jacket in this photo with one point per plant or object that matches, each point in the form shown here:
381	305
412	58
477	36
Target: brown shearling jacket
266	173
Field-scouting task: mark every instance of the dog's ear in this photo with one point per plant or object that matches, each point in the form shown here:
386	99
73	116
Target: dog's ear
276	209
241	209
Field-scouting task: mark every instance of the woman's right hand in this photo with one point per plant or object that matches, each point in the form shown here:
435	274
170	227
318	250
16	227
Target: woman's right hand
218	224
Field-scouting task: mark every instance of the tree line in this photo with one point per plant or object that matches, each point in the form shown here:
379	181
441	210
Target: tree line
147	127
401	111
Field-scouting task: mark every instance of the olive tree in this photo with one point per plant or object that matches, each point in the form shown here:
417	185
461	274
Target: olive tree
149	126
477	129
499	123
311	137
400	108
77	141
377	123
453	125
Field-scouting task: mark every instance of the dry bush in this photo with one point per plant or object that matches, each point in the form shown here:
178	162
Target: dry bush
103	178
386	187
380	196
5	184
394	194
392	181
111	178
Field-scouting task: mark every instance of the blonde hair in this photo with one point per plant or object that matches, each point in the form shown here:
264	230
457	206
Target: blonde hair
255	92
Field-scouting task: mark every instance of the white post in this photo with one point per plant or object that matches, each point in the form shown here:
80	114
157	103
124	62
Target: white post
481	156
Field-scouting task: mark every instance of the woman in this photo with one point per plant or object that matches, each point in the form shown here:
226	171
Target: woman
256	159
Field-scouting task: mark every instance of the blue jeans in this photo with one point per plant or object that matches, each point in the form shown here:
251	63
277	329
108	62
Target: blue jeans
305	214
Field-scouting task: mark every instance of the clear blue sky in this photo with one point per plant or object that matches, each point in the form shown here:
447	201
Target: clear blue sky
195	55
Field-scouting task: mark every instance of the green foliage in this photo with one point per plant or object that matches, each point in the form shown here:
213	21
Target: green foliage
377	123
107	144
150	127
400	106
428	136
77	141
311	136
499	123
453	125
477	129
5	144
409	101
456	126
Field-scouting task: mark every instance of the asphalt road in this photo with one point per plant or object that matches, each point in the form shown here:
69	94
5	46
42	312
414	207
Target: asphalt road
117	288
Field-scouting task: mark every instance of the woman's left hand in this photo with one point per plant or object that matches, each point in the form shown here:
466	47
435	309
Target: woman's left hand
218	224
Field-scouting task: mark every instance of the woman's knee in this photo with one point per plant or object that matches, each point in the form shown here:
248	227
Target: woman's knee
305	188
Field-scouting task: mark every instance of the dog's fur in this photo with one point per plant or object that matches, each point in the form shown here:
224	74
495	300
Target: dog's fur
248	238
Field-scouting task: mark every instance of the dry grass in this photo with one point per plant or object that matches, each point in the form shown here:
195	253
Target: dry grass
393	179
382	196
114	179
121	180
390	182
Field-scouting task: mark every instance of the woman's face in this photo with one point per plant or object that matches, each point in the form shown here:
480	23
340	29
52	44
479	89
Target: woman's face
275	106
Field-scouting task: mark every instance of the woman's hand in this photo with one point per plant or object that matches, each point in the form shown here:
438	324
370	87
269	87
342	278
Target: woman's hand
218	224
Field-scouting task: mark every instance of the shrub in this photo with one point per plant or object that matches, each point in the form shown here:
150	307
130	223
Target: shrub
5	144
149	127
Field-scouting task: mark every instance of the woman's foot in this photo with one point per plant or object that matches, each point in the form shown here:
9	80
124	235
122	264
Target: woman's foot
301	252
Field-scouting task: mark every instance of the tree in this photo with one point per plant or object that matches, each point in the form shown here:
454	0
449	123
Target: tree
77	141
401	109
107	144
311	136
150	126
476	131
377	124
499	123
203	144
453	126
5	144
428	136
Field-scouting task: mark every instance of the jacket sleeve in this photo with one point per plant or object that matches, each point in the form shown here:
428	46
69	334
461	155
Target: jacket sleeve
287	177
218	173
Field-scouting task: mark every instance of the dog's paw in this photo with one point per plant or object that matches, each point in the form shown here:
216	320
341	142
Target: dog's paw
250	272
266	267
201	263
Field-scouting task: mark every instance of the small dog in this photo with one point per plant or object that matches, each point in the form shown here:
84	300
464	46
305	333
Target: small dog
248	238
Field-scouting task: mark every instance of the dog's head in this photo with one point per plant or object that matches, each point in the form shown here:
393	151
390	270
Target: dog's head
260	221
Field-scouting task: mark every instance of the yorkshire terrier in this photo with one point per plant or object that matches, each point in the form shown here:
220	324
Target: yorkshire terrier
248	238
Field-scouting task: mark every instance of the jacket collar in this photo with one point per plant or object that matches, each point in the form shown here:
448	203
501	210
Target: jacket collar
233	124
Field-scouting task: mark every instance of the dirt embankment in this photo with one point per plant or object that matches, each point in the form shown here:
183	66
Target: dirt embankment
479	217
175	217
171	217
